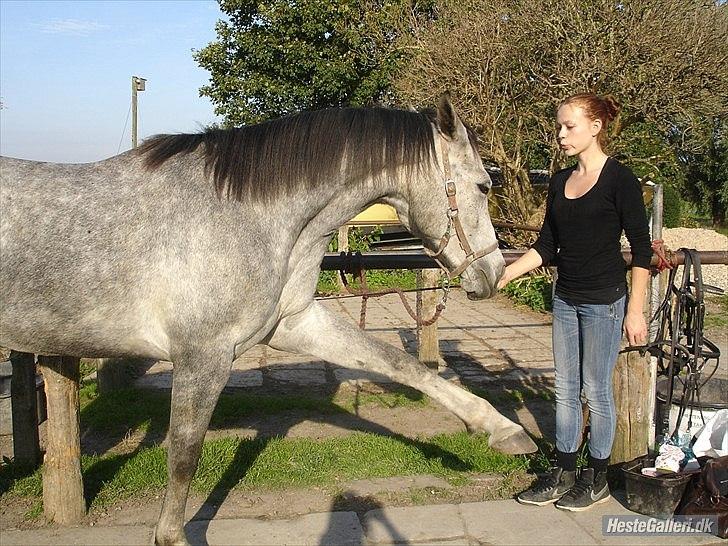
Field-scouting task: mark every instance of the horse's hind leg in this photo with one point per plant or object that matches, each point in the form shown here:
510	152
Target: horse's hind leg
196	385
318	332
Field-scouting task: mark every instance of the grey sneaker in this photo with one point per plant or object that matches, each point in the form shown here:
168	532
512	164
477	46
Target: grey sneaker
587	491
548	489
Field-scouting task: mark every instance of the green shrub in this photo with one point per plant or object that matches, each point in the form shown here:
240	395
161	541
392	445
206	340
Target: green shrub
531	290
672	207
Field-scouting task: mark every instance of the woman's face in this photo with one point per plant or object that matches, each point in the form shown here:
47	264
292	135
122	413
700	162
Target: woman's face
577	133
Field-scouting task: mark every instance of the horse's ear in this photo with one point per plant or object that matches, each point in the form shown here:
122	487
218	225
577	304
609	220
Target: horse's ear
447	119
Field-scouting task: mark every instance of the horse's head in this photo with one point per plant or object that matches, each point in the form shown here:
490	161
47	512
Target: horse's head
447	207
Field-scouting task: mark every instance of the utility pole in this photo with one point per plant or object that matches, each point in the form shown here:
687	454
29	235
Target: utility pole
137	84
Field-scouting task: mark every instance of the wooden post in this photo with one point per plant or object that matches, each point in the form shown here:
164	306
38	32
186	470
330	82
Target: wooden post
655	292
631	382
343	246
429	345
634	378
63	500
26	446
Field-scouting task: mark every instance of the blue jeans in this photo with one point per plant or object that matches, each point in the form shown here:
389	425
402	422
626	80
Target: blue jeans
586	340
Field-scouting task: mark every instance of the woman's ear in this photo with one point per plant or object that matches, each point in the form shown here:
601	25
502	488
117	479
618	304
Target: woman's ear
596	126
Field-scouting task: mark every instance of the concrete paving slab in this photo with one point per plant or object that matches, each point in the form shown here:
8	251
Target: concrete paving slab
593	524
413	524
509	523
346	375
490	331
155	380
245	378
301	376
334	528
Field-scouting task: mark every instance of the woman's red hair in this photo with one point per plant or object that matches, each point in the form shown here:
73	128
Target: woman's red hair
604	108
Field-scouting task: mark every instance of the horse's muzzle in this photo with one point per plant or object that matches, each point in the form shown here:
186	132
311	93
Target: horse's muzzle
481	280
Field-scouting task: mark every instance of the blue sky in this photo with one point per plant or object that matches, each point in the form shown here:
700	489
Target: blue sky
66	68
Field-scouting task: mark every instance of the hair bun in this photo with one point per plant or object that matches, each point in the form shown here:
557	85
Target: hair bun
612	106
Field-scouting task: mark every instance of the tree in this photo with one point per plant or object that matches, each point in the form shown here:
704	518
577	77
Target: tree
510	62
274	57
706	170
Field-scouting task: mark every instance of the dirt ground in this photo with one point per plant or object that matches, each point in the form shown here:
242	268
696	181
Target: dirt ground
358	496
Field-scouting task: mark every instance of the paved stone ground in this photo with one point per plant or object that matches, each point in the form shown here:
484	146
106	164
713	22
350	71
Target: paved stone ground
502	522
480	342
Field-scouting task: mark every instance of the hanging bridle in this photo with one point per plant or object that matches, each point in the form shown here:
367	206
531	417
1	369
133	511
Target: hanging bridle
453	219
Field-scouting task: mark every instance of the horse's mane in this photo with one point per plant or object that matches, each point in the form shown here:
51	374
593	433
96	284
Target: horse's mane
272	158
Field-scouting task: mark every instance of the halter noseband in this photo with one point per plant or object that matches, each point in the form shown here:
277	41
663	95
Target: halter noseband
453	219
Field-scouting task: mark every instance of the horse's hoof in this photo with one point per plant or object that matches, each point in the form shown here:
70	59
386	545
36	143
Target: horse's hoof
512	442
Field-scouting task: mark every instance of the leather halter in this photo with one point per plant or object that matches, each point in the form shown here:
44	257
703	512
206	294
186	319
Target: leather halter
453	219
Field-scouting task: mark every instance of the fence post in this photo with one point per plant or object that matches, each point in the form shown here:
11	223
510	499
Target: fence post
63	500
343	246
634	378
631	393
428	350
655	292
23	400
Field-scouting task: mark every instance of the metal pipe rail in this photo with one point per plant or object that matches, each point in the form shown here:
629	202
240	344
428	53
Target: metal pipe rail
417	259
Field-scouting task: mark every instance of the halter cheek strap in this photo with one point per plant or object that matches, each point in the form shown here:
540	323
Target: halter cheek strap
453	220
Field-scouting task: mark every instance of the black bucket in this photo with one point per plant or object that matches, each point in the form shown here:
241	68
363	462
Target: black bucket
656	496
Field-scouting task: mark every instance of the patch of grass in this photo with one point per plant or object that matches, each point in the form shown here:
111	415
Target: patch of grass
377	279
716	316
20	479
35	512
145	410
401	399
137	410
280	463
457	480
533	291
516	397
87	366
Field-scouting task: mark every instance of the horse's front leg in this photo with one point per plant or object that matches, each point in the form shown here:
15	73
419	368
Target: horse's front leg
320	333
198	379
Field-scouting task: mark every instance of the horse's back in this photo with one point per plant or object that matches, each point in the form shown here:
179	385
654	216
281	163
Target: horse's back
112	259
76	257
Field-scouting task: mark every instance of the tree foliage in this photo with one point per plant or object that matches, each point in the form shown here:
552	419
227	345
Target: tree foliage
274	57
510	62
706	170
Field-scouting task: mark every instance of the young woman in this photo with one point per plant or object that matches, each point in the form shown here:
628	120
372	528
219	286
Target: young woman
587	208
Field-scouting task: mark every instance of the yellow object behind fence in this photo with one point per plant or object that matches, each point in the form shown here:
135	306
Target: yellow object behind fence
375	215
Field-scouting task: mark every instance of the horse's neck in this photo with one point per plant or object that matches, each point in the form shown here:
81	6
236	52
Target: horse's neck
321	211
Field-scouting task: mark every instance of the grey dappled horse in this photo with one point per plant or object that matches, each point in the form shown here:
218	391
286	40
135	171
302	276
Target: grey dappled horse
195	247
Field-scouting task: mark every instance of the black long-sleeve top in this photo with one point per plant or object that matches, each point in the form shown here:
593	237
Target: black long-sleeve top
582	236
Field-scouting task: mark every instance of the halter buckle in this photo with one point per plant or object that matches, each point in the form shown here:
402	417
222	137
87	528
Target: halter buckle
450	188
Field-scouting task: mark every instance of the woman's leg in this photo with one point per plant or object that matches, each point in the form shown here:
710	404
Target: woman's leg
601	331
567	363
550	488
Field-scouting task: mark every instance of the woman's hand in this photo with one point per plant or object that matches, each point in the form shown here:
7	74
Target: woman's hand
635	328
528	262
506	278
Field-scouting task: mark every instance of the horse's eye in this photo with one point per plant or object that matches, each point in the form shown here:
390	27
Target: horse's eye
484	187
